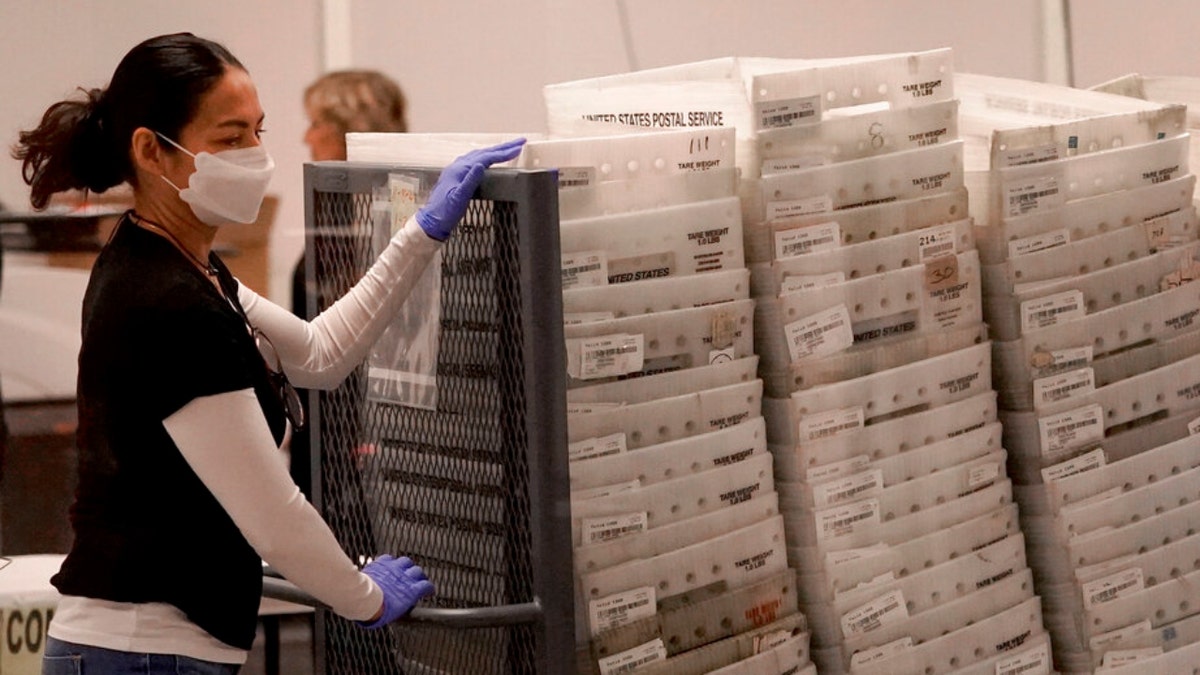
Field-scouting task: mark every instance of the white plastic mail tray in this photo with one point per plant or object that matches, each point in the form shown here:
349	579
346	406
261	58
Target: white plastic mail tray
815	269
674	500
859	524
784	641
908	174
869	358
585	304
605	351
589	160
1147	206
1128	539
909	388
673	418
955	614
649	543
634	246
863	132
941	295
1055	303
673	459
645	193
804	451
855	225
739	558
691	620
663	385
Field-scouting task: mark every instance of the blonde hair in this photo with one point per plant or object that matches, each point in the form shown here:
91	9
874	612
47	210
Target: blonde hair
357	100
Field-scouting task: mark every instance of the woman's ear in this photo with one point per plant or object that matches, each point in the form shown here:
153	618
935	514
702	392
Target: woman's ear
147	153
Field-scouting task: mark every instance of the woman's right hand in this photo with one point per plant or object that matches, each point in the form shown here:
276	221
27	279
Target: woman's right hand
403	584
448	201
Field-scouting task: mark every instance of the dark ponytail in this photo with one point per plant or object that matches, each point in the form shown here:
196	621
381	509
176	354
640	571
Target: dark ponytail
84	143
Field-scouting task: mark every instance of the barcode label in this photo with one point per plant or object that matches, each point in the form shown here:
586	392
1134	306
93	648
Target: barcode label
1112	587
584	269
848	489
830	423
810	239
770	640
605	490
1035	155
581	318
1052	310
843	520
1093	459
1124	657
1038	242
598	446
576	176
1033	661
1058	388
1060	361
795	284
819	335
1028	196
845	467
610	356
796	163
1143	627
796	208
621	608
588	408
936	242
982	475
1071	429
834	558
789	112
882	611
634	659
871	655
607	528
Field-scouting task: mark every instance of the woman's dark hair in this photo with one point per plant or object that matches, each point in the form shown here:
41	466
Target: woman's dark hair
84	144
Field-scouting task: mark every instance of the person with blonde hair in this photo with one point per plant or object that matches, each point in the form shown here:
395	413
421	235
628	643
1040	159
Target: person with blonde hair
343	101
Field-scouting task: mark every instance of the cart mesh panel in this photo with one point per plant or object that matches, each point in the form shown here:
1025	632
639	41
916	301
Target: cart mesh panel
448	487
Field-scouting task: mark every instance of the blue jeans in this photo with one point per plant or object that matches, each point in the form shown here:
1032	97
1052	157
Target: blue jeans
68	658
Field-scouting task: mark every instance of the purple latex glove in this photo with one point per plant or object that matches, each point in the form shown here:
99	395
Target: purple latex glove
448	201
403	583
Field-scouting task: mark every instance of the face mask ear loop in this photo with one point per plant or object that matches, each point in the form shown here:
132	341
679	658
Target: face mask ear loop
181	148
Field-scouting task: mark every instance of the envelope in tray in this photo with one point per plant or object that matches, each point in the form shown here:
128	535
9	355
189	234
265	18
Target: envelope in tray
591	303
1055	303
816	269
1163	209
855	225
709	614
604	351
679	499
663	385
783	642
805	452
1175	661
675	458
585	161
857	133
675	240
942	294
667	419
1167	493
909	174
1128	539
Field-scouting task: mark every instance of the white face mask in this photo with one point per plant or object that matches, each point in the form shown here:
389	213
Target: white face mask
228	186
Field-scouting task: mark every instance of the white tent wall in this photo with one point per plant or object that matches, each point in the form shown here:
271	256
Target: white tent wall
472	65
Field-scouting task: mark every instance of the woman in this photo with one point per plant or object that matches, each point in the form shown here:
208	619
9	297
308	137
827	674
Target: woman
183	397
337	103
